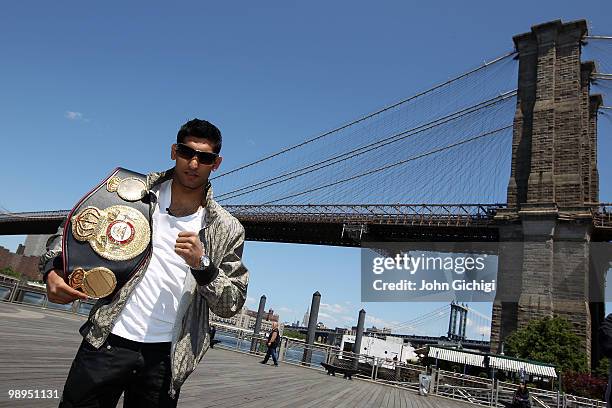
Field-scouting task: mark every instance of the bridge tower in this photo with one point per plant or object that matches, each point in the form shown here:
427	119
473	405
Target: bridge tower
544	263
457	331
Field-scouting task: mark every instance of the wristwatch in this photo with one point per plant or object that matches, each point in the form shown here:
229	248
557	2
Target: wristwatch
204	262
206	272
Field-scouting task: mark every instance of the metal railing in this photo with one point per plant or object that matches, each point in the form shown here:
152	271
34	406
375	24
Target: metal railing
34	294
468	388
602	216
495	393
397	214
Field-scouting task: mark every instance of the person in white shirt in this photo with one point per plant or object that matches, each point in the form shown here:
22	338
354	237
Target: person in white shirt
147	339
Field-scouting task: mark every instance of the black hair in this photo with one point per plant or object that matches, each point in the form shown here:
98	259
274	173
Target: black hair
201	129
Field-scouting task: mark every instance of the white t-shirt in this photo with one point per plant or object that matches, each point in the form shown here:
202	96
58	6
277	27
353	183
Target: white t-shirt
150	311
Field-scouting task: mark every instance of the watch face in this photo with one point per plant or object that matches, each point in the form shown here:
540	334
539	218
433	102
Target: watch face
205	261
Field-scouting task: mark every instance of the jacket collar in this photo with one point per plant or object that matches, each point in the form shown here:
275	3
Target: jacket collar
157	178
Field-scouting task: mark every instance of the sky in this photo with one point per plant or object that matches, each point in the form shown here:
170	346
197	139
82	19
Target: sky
89	86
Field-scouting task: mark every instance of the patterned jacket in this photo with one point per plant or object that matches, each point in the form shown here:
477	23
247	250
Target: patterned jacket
223	239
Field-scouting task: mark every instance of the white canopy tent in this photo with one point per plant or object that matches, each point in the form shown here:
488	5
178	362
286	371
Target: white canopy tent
499	362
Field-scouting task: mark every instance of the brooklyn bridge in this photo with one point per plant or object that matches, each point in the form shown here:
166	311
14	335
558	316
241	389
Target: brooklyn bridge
506	152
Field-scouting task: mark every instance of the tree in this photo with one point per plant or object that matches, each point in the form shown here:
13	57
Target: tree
10	272
294	334
549	340
601	371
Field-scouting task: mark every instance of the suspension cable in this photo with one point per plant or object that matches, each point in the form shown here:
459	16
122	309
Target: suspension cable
361	119
367	148
419	156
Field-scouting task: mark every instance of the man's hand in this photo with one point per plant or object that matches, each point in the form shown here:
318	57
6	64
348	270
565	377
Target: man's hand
189	247
59	291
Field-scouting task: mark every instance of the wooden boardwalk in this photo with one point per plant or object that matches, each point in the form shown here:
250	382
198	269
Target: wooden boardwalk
38	347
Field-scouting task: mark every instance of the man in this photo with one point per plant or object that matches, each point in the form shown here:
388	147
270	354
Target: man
521	398
147	338
272	342
212	331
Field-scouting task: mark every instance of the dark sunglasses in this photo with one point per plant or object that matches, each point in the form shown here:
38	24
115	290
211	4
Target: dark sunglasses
188	153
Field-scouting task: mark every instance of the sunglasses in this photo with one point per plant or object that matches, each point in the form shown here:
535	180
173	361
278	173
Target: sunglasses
188	153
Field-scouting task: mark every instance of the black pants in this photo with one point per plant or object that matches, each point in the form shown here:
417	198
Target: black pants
271	352
99	376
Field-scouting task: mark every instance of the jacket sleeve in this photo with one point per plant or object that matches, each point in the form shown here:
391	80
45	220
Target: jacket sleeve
52	258
226	294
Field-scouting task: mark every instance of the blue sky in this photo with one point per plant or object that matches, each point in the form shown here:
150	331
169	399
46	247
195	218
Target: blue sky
90	86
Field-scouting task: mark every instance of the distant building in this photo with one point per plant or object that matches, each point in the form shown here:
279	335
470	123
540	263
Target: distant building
246	318
25	259
374	329
269	315
35	245
26	265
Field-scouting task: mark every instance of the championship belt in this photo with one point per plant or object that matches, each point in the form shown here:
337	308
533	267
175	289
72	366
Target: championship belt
107	236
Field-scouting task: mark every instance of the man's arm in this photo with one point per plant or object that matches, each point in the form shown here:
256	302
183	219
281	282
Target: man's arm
52	258
226	293
51	267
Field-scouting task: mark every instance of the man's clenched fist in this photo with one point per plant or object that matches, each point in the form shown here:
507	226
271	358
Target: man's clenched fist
189	247
59	291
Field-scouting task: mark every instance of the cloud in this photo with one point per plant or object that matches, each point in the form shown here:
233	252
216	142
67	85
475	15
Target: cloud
336	319
327	316
380	323
75	116
333	308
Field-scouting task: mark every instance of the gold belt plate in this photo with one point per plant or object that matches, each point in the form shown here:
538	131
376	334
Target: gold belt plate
96	283
117	233
129	189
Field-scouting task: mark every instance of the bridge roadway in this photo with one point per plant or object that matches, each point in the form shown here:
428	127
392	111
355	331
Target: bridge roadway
38	346
352	224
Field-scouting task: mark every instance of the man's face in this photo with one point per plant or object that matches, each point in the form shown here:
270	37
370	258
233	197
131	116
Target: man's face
189	172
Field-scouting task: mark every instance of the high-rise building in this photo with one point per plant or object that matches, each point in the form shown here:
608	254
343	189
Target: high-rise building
306	318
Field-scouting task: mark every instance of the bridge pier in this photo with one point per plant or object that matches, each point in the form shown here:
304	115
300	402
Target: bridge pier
545	233
260	312
359	337
312	327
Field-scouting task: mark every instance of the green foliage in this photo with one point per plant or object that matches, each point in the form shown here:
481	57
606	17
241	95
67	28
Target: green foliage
549	340
601	371
293	334
10	272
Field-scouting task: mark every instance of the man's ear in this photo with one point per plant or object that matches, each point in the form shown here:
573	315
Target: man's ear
217	163
173	151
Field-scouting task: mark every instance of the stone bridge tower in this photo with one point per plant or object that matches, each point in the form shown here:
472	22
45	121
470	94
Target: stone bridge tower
544	263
